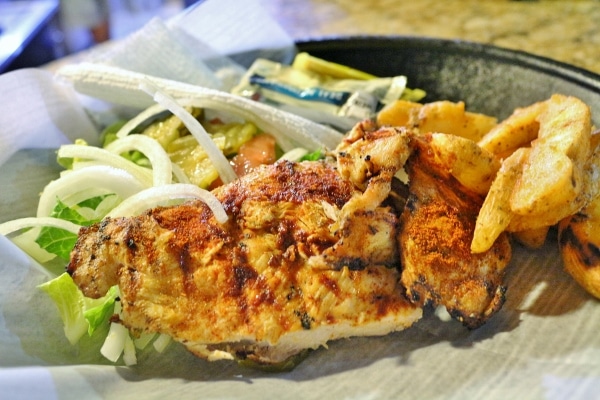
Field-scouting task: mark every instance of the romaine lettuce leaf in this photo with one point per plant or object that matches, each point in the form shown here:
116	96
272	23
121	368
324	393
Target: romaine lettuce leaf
97	311
78	313
58	241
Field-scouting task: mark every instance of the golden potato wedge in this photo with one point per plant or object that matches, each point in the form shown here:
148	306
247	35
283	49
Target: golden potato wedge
477	125
518	130
519	223
532	238
474	167
553	172
550	181
451	118
495	213
566	125
399	113
439	116
590	190
553	216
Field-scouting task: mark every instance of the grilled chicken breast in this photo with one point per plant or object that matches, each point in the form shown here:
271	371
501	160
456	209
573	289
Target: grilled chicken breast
437	227
308	255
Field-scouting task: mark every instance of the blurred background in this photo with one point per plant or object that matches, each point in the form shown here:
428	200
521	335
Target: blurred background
35	32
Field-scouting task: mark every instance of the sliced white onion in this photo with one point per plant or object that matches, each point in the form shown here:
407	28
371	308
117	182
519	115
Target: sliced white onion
101	209
285	136
74	198
154	196
30	222
161	342
142	117
80	164
161	163
112	179
26	242
105	157
179	174
129	357
115	342
143	340
215	155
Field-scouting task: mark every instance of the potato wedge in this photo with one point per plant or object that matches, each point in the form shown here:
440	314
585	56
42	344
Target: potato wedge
549	182
474	167
495	213
449	117
477	125
399	113
532	238
590	190
566	124
518	130
439	116
553	172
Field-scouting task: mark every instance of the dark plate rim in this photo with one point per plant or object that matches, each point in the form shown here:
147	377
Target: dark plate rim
549	66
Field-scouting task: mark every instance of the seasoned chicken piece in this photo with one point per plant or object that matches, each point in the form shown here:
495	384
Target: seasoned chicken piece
257	287
437	227
368	157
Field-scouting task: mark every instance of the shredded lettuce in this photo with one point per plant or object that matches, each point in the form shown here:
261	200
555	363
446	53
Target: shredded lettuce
314	156
56	241
109	134
79	314
97	311
60	242
93	202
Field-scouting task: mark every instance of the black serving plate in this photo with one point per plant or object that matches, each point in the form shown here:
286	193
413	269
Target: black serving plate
488	79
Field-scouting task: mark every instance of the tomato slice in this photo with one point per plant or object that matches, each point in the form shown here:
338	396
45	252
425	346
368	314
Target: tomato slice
257	151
